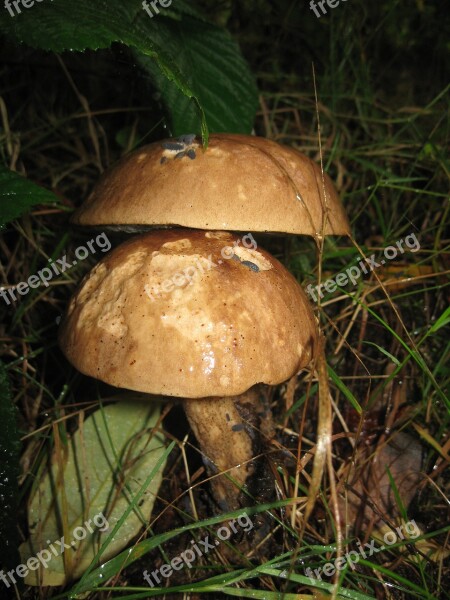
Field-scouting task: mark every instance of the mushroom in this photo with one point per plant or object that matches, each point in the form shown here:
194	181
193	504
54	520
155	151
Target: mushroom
240	183
194	315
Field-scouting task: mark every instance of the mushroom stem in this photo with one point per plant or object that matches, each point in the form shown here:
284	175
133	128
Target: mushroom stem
230	431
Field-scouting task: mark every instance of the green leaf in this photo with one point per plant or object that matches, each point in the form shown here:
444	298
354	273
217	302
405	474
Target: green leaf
94	483
9	473
60	25
217	72
66	25
195	65
18	195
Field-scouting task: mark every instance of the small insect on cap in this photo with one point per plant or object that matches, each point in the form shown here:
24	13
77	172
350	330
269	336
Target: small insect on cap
190	314
240	183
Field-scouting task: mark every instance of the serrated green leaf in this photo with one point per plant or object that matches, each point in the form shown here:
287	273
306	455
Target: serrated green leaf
180	7
217	72
96	478
60	25
196	65
9	473
66	25
18	195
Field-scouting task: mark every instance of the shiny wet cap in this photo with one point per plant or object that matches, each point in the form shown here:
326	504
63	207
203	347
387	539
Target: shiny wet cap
190	314
240	183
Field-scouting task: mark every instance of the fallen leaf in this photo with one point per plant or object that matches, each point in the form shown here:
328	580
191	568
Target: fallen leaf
91	483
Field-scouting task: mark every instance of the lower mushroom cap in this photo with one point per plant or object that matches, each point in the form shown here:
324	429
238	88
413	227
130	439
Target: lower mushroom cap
190	314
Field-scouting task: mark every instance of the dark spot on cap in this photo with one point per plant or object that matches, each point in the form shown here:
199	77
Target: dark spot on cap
180	155
172	146
250	265
191	154
238	427
163	159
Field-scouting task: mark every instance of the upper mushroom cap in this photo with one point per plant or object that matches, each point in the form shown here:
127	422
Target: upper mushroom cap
236	322
240	183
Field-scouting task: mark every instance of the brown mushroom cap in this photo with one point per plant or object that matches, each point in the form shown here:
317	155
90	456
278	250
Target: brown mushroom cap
243	321
240	183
